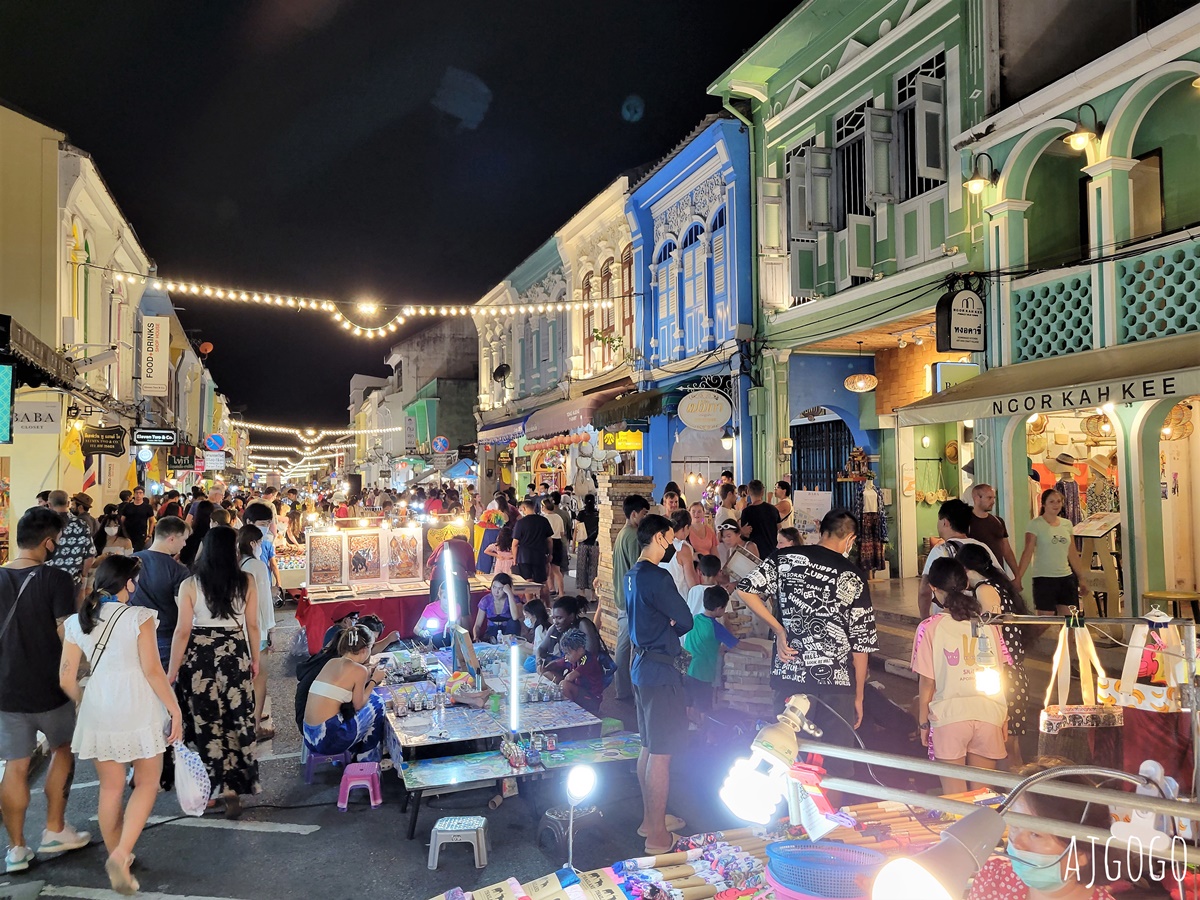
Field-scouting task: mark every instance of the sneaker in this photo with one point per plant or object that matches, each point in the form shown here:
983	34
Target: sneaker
62	841
18	859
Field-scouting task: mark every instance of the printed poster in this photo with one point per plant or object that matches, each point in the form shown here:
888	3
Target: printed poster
810	508
364	556
325	559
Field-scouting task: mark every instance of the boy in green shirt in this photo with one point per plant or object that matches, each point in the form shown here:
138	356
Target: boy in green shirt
703	642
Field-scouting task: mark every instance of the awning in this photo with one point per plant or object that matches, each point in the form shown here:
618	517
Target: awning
1157	369
640	405
566	416
464	468
502	432
36	361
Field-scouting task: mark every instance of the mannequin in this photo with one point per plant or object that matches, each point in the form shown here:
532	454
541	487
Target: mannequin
1101	493
1068	487
869	509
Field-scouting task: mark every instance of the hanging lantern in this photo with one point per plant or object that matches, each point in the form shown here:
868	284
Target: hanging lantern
863	382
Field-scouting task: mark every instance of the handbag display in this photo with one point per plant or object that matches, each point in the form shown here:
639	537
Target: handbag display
1126	691
1087	732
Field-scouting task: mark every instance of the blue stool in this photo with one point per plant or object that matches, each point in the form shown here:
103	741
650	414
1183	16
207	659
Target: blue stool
312	760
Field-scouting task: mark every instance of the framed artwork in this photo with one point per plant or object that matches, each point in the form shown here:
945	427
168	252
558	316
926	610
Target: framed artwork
404	553
364	556
325	559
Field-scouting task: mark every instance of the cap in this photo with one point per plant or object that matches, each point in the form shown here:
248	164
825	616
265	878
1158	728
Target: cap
83	500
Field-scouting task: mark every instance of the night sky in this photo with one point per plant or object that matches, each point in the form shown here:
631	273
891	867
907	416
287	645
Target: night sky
294	146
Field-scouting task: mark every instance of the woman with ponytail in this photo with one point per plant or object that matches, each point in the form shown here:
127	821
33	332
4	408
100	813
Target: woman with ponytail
214	658
342	711
959	721
123	713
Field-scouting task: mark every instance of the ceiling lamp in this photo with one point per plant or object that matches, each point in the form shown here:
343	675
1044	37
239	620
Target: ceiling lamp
863	382
981	178
1082	135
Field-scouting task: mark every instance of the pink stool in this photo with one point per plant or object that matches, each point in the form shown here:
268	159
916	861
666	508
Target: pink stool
315	759
365	775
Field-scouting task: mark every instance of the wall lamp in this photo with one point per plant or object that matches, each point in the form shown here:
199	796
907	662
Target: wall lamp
1082	135
981	178
727	437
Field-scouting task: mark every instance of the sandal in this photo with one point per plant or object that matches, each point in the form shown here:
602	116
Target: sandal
119	877
263	734
659	851
673	823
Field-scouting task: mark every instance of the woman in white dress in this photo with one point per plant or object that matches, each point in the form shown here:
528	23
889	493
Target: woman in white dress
123	712
250	538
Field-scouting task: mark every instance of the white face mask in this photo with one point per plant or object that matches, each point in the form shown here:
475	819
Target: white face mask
528	622
110	530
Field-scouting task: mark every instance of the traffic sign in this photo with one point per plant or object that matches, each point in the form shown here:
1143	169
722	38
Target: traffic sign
441	444
154	437
214	442
214	460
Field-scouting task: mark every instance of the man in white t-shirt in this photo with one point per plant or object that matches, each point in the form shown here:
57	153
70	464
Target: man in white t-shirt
954	519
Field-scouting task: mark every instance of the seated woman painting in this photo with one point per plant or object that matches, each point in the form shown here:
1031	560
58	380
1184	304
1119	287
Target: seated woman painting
342	712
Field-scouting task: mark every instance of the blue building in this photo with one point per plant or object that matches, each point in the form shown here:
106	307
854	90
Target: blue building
690	222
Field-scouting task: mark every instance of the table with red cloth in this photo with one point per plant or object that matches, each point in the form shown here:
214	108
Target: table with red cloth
398	605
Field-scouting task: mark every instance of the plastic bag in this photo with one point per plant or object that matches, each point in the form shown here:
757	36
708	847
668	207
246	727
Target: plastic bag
192	784
297	652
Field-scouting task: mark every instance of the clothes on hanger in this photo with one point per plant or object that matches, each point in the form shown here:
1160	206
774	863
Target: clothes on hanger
869	509
1072	508
1102	495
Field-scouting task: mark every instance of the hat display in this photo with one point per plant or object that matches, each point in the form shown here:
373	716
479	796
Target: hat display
1066	459
83	500
951	451
1035	444
1057	466
1100	462
969	468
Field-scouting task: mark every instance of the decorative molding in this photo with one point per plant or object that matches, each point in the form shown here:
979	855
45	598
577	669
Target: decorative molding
702	201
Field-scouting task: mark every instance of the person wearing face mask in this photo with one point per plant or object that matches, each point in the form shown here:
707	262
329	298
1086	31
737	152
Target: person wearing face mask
537	622
1039	866
109	538
828	629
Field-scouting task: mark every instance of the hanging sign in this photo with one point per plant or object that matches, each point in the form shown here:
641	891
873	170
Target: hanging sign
410	432
214	442
154	437
42	417
198	465
156	355
109	441
214	460
628	440
704	410
181	456
960	323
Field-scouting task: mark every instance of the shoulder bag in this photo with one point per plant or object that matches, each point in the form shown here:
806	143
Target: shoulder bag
13	611
102	641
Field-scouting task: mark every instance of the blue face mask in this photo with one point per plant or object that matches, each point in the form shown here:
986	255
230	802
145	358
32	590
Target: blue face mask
1041	871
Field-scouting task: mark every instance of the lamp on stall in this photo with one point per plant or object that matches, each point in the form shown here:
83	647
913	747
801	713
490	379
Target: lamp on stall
863	382
514	689
942	871
1082	135
981	178
581	781
755	786
987	676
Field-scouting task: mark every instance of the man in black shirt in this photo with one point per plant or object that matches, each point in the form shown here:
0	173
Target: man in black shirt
162	574
137	517
760	521
531	543
35	600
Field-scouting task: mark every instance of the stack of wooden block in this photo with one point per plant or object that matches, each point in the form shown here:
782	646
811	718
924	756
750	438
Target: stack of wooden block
745	682
610	498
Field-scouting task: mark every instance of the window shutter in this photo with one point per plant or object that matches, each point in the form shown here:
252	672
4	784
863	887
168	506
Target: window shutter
772	216
803	264
879	156
860	246
718	262
818	183
797	168
931	128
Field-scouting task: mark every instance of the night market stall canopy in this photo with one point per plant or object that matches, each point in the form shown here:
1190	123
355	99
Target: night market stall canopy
1146	370
639	405
503	432
568	415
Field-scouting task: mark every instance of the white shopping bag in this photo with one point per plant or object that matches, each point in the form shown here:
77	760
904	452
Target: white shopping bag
192	784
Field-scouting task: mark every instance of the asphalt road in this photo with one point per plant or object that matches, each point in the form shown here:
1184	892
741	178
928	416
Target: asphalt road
293	841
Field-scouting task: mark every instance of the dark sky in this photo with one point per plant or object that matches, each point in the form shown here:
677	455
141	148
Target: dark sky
292	146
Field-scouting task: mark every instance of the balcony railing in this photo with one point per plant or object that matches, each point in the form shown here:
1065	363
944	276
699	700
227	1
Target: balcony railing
1159	292
1051	314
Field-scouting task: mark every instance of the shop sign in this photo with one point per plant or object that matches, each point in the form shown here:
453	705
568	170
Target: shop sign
155	437
214	460
198	463
1084	396
156	355
961	323
504	458
623	440
18	341
410	432
145	454
36	418
109	441
181	456
704	410
948	374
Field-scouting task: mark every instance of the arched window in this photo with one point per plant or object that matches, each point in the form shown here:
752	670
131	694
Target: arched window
627	299
607	316
695	288
665	298
589	324
722	312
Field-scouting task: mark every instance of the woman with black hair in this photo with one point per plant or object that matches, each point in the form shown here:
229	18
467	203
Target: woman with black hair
109	539
998	595
537	622
342	712
122	713
959	722
201	522
214	658
567	613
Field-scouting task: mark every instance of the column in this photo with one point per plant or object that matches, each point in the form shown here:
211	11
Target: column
1110	223
1005	248
781	415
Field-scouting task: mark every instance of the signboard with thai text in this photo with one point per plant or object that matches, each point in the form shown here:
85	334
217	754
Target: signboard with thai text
704	410
181	456
107	441
214	460
961	323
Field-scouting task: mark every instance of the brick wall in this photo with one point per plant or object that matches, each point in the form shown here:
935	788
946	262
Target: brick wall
901	374
610	498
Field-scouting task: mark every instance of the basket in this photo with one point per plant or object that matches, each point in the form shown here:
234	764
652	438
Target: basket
782	893
823	869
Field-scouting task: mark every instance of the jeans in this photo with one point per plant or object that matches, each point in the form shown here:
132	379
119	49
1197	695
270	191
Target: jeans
623	658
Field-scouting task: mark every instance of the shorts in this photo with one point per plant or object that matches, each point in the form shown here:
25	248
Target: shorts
956	740
558	553
18	731
662	718
833	712
699	693
1050	593
535	572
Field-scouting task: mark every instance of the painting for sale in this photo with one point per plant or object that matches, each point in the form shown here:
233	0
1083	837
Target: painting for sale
325	559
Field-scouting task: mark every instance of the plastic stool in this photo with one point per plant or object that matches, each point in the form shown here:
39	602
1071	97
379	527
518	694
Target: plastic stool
360	775
459	830
312	760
